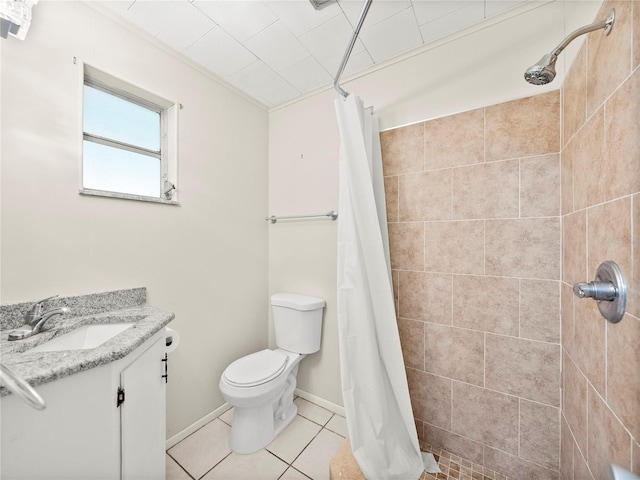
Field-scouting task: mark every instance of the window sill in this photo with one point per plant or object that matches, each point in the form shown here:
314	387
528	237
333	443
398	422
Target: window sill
126	196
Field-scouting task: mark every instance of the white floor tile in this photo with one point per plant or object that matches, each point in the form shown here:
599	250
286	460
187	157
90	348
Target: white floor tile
174	471
293	474
293	439
314	460
338	425
261	465
304	444
312	411
203	449
227	417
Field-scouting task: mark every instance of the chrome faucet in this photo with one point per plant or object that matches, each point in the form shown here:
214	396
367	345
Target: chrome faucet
36	319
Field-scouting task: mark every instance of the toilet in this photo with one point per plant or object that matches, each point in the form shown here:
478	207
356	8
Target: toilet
260	386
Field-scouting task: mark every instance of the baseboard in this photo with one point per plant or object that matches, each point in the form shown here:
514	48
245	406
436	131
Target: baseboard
178	437
321	402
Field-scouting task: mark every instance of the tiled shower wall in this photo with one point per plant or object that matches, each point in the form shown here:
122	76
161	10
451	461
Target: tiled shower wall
601	218
474	210
493	215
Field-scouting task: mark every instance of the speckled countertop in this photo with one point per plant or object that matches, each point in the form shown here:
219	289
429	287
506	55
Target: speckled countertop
111	307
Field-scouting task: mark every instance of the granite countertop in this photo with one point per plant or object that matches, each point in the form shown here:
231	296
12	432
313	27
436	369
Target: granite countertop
42	367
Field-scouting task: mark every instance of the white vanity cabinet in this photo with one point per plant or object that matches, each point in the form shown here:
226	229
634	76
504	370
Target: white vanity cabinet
83	434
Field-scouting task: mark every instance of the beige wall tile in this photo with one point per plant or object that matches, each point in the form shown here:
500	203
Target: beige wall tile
633	302
540	310
395	279
426	296
585	152
527	248
566	182
391	198
418	392
529	126
525	368
456	444
438	396
575	401
515	467
454	353
540	434
412	341
623	379
574	247
403	149
406	245
608	56
483	303
454	247
430	397
622	139
609	236
581	469
489	190
455	140
589	342
566	451
635	454
608	440
636	34
540	186
485	416
566	314
574	96
420	430
425	196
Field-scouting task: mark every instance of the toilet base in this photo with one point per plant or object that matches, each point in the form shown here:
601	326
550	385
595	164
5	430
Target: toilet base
254	428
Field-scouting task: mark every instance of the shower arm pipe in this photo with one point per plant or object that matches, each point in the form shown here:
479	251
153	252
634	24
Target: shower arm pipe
332	215
347	53
607	24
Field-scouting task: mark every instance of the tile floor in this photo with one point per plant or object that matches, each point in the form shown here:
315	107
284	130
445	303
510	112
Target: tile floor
301	452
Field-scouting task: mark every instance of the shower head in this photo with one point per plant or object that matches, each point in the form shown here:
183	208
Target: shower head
544	71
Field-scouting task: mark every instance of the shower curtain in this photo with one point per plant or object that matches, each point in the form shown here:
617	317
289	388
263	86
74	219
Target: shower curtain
374	384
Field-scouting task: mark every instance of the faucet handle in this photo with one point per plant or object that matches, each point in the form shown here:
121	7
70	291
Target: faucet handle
36	309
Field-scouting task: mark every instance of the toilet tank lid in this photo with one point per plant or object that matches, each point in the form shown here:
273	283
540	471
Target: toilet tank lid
297	302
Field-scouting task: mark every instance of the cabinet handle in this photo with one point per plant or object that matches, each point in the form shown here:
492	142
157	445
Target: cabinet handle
166	369
120	397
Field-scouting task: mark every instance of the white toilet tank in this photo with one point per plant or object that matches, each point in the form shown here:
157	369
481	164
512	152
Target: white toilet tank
297	322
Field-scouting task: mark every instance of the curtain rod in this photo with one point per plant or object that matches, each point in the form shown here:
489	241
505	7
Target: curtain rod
347	53
332	215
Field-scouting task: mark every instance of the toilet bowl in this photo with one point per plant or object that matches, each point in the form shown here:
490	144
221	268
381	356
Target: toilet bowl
261	385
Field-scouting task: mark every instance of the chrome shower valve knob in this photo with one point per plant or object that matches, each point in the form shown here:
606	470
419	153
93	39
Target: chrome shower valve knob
609	289
596	290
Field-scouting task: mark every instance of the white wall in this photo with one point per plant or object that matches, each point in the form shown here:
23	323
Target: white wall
477	68
205	260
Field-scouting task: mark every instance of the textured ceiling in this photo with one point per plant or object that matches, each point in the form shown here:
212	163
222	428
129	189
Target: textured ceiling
276	50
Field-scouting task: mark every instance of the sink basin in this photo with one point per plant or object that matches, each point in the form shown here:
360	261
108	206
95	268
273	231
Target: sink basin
83	338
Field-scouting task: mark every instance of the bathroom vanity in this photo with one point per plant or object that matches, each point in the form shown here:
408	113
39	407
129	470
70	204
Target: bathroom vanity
105	414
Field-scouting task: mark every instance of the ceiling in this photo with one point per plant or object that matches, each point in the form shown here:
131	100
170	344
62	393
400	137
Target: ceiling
276	50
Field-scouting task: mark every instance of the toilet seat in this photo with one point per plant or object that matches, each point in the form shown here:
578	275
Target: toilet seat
256	369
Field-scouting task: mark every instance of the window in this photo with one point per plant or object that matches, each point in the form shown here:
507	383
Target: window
126	141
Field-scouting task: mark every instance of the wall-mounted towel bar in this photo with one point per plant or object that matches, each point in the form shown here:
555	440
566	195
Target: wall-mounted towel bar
332	215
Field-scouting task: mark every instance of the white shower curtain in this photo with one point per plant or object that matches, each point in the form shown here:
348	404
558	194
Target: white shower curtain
374	384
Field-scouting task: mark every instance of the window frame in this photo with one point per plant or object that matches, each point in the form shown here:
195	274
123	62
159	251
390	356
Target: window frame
167	155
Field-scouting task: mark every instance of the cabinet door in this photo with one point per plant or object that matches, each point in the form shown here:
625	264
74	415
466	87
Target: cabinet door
142	416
